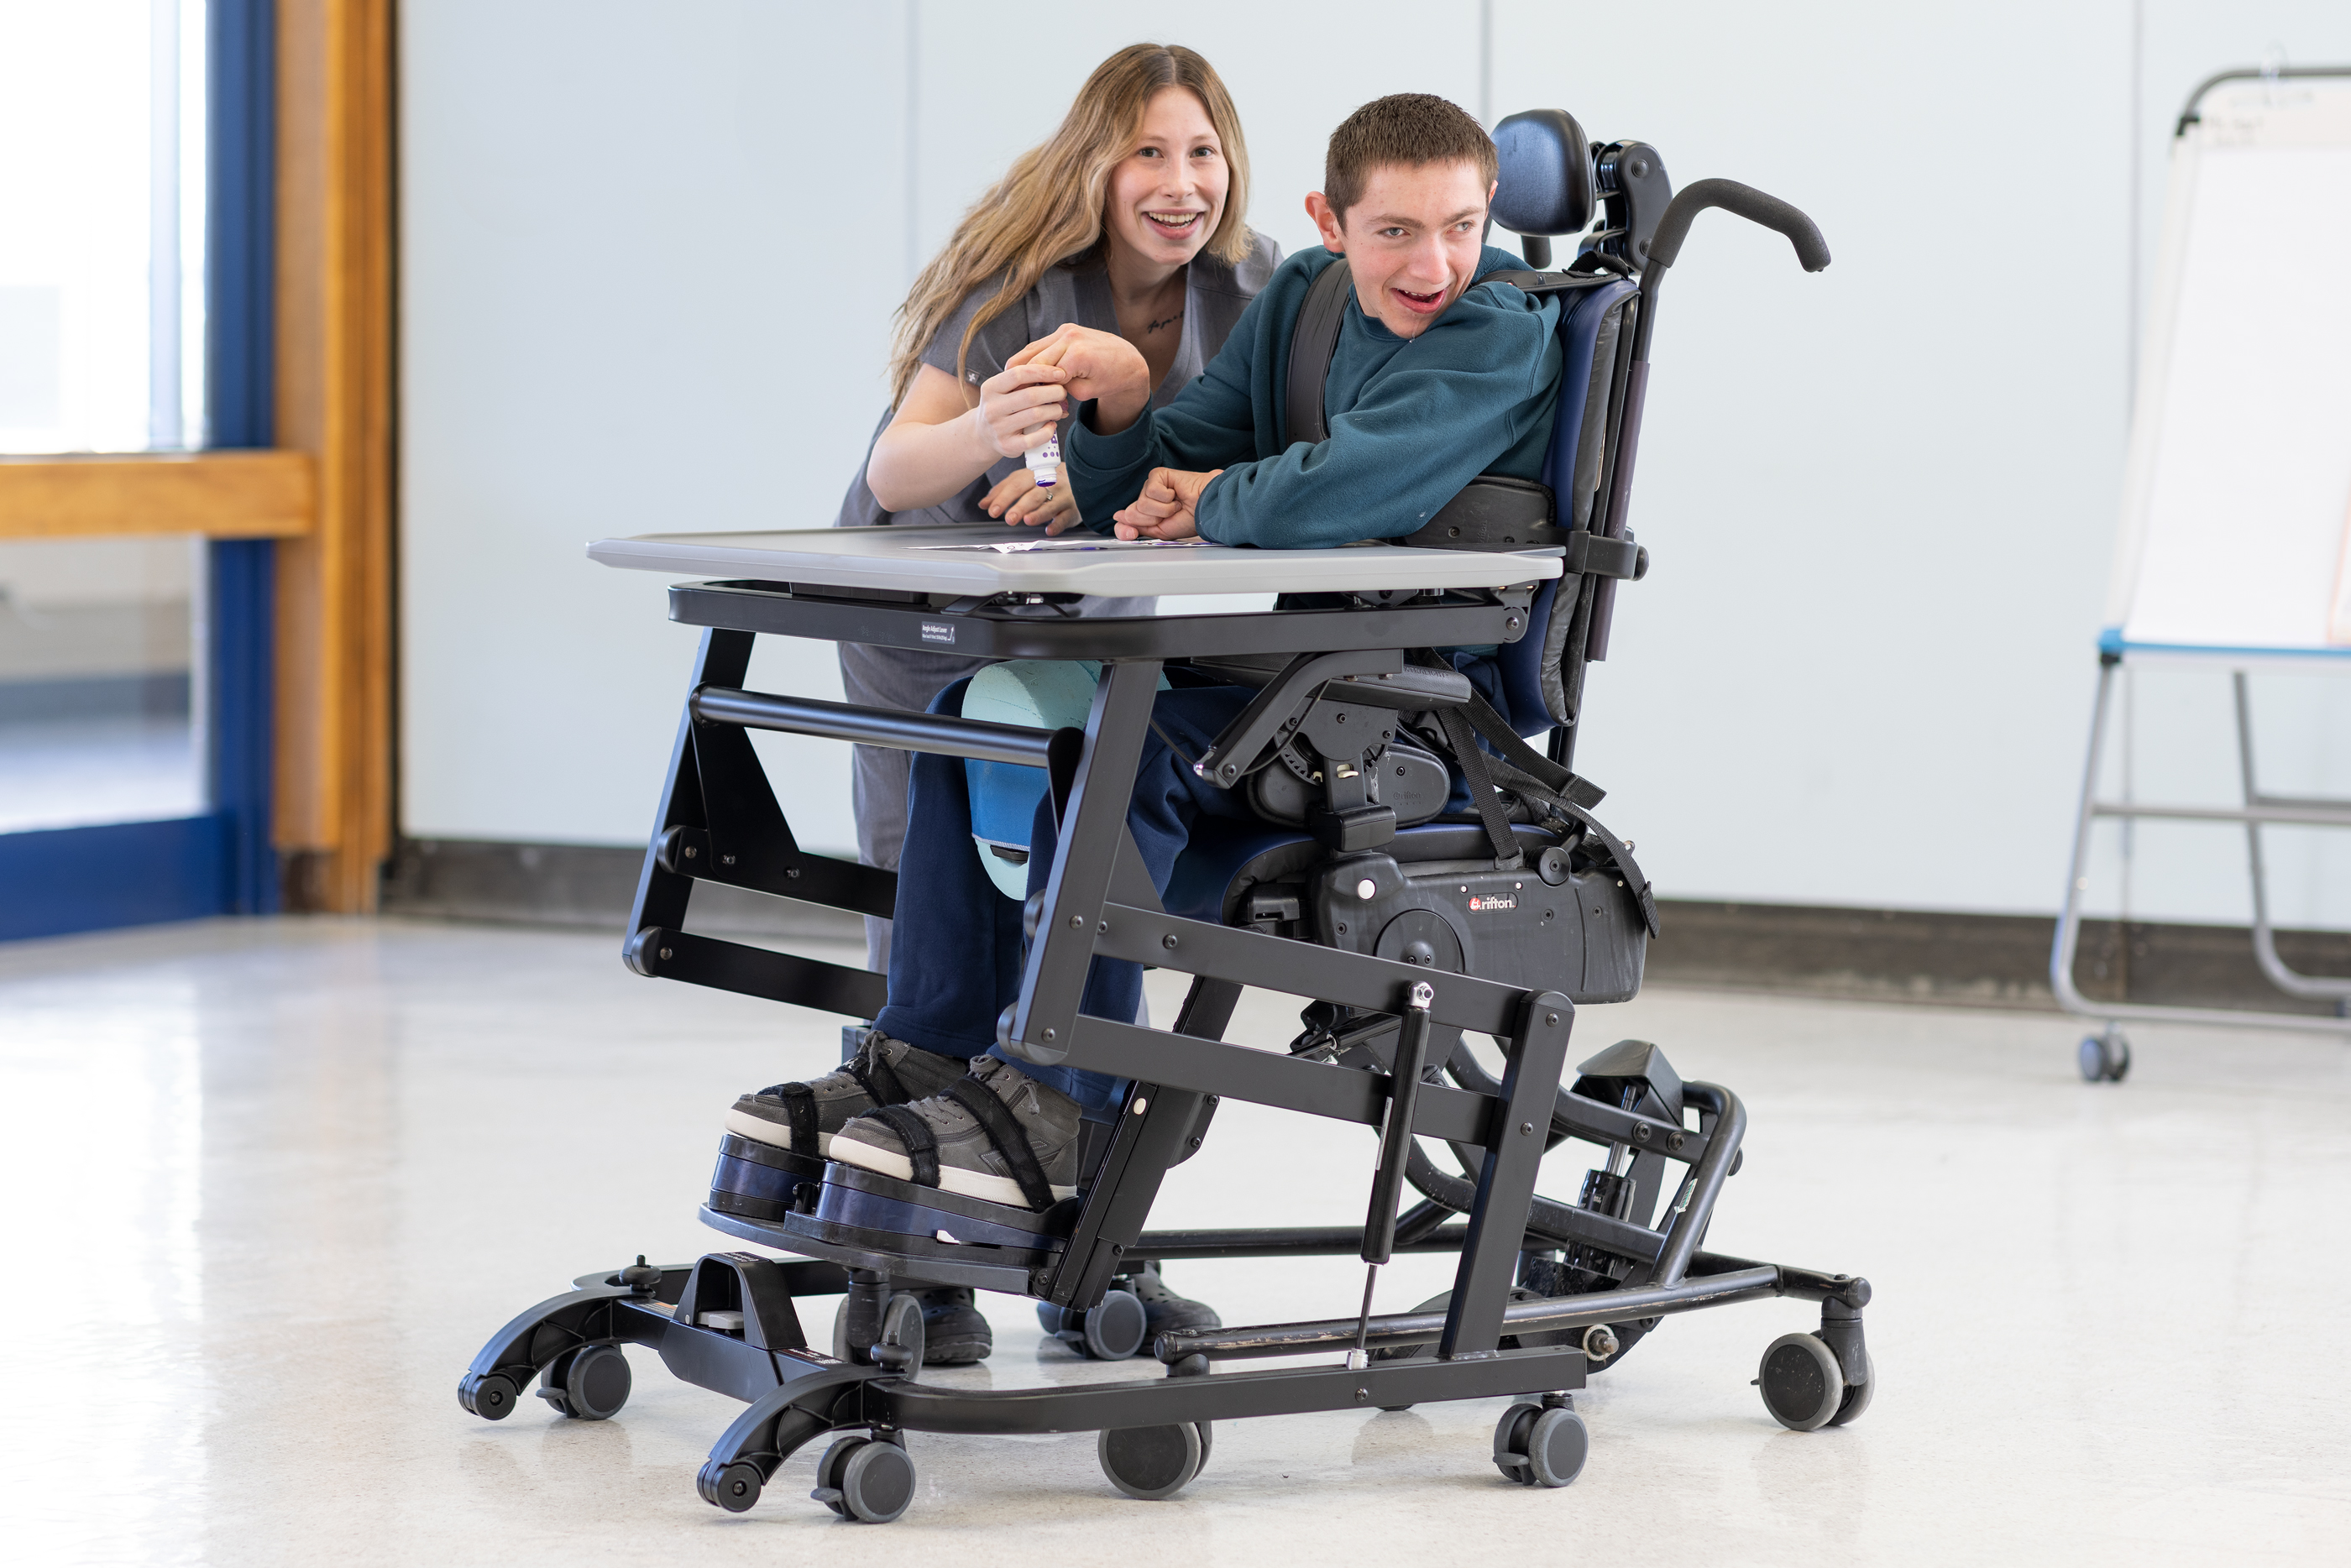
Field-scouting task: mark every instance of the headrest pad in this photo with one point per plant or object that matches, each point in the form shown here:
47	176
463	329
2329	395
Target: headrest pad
1545	187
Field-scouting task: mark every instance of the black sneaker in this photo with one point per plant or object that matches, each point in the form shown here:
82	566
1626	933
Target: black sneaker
954	1332
886	1072
1162	1309
998	1135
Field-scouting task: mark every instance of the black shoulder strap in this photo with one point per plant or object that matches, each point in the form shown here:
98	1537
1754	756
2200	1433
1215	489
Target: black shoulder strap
1313	340
1538	283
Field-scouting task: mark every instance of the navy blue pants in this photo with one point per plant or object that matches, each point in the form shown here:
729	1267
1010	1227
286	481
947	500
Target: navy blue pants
956	950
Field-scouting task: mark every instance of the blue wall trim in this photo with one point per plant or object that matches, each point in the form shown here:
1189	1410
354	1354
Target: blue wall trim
124	874
240	348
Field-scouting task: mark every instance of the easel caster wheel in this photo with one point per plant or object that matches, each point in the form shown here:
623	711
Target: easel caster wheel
1152	1462
1856	1396
2104	1058
489	1394
589	1385
866	1479
1803	1386
735	1487
1536	1446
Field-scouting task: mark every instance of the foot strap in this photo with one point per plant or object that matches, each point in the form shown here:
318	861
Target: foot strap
921	1144
874	1076
1011	1140
800	1111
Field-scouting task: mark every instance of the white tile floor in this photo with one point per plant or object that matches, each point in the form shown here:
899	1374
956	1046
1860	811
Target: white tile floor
269	1184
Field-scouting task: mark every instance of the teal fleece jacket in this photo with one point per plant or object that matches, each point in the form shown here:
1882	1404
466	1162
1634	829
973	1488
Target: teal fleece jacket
1412	420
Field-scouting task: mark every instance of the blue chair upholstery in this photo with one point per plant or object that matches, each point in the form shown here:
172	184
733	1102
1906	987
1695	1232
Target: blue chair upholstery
1572	469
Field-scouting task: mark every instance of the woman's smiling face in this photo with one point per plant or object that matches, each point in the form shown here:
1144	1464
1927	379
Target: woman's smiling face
1167	195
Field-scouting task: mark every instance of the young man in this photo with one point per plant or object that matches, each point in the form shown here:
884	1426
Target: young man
1434	380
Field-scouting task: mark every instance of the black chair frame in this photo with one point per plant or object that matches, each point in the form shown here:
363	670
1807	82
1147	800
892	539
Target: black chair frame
730	1322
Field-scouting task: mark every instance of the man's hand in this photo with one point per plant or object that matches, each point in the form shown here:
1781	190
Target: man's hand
1021	499
1164	510
1100	366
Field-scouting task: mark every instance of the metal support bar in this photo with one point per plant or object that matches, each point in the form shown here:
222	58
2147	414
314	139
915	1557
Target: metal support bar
2293	981
2065	947
1425	1328
1092	830
1506	1179
934	733
1151	1402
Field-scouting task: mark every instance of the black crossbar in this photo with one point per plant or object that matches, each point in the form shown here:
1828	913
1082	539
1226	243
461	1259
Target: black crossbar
934	733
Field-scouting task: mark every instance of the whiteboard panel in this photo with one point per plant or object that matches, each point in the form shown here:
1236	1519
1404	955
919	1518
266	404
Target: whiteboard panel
2235	512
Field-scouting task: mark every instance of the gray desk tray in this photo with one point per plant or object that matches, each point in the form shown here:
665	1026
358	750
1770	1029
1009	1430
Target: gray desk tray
906	559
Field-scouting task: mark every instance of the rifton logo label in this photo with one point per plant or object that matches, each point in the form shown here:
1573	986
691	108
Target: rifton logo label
1494	901
939	631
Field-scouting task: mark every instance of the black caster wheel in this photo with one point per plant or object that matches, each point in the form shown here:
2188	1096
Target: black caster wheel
900	1349
1152	1462
866	1479
489	1394
1112	1330
1208	1441
2104	1058
1803	1387
827	1473
1857	1395
588	1385
735	1487
1545	1446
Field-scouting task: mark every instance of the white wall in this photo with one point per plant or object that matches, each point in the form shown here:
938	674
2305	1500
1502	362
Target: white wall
650	254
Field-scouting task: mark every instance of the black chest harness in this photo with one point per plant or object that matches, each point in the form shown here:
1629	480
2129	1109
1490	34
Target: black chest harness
1494	511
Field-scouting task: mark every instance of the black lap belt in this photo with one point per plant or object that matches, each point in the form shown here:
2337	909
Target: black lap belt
1490	815
921	1144
1626	866
1011	1140
799	1110
1571	798
1568	787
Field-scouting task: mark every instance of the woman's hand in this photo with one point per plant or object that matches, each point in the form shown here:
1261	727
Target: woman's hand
1165	509
1020	499
1097	366
1019	406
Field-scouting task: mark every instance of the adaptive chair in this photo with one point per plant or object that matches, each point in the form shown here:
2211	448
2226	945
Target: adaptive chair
1403	926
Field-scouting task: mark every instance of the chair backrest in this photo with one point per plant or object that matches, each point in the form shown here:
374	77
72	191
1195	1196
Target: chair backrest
1591	330
1553	182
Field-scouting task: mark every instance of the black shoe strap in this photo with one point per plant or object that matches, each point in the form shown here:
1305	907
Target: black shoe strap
921	1144
1011	1138
870	1069
799	1112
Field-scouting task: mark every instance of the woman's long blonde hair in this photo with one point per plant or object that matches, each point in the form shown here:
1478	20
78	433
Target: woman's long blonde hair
1048	208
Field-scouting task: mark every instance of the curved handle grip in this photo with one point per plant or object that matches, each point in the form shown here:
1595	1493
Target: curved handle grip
1748	202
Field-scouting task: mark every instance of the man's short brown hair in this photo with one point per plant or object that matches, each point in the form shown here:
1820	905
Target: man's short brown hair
1414	129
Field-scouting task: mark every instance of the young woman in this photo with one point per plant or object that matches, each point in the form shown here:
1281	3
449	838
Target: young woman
1130	219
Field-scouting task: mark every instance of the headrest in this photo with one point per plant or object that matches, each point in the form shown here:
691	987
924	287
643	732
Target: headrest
1545	186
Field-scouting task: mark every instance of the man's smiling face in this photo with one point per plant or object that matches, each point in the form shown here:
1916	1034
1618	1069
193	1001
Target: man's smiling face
1411	240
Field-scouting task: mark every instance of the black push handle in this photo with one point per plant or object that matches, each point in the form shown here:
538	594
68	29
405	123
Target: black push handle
1746	202
1395	1138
